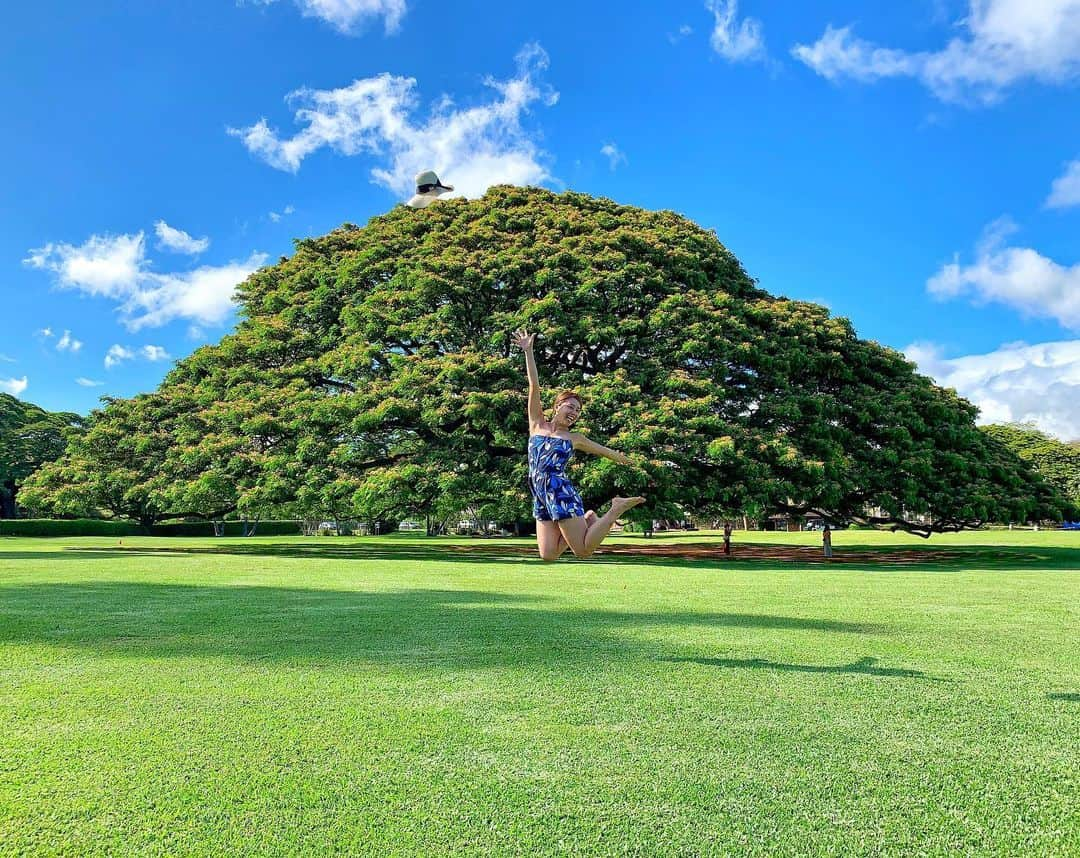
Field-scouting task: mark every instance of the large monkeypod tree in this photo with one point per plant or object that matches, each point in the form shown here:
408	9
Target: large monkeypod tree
373	370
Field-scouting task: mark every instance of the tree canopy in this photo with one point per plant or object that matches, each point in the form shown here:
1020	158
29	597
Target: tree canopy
29	437
372	373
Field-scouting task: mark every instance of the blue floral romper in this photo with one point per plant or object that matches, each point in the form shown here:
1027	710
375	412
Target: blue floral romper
554	496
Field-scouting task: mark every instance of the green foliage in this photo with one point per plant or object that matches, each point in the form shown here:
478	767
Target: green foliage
372	376
1055	461
29	437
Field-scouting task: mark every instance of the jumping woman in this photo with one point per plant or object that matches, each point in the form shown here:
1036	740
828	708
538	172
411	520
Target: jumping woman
561	519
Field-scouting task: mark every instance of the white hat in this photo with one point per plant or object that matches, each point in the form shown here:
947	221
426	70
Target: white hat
428	189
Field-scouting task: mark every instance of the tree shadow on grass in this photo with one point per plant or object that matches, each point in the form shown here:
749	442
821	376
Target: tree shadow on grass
922	559
414	627
866	666
1068	697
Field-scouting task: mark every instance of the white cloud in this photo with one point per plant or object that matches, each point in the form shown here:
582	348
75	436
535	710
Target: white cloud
68	343
117	354
1005	42
6	359
45	332
203	295
735	40
14	386
171	238
1017	383
1065	190
104	265
613	154
472	148
88	382
349	16
116	267
1016	276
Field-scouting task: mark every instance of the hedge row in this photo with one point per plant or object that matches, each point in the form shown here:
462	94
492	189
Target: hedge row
100	527
67	527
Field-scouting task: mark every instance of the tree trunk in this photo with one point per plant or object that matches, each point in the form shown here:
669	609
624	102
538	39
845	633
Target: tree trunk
7	500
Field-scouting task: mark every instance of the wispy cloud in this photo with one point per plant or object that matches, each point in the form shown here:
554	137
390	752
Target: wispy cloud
277	216
7	359
349	16
177	240
88	382
1005	42
1019	277
613	154
116	267
473	148
683	31
116	355
735	40
1038	383
14	386
204	295
1065	189
68	343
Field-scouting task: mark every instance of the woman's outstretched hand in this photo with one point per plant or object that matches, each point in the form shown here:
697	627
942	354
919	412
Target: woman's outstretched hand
523	339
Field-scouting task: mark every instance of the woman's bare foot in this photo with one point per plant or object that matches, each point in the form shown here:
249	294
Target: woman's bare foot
621	505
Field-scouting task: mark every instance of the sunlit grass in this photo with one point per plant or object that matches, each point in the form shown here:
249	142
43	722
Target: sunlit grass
394	695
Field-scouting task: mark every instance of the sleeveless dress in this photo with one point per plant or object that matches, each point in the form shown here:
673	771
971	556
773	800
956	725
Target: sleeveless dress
554	496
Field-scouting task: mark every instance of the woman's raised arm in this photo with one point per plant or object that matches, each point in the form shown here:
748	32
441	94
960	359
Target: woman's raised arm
524	340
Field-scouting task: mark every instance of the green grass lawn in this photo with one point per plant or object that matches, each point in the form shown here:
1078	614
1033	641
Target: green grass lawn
390	695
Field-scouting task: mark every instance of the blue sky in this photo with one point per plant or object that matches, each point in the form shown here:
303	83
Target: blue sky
917	169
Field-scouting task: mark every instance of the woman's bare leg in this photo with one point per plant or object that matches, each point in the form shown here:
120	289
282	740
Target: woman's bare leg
584	538
549	540
552	547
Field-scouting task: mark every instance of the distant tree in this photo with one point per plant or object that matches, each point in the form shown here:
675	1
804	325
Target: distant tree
29	437
1056	461
133	461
